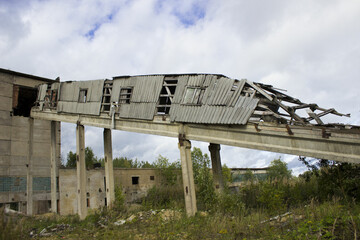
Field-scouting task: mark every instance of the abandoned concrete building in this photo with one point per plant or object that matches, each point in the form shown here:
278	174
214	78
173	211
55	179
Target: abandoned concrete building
25	167
204	107
135	184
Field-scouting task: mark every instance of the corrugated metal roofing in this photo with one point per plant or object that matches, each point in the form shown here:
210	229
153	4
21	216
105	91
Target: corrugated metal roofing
221	102
147	89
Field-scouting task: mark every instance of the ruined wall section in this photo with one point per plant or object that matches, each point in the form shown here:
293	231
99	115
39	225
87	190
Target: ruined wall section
135	184
15	91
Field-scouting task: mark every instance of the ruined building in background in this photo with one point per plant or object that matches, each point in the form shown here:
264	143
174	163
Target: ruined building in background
25	182
203	107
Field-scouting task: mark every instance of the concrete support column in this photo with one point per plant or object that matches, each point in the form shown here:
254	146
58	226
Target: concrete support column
29	177
216	166
53	167
109	172
187	176
81	171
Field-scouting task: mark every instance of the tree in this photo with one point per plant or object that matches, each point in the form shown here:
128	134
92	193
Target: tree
226	172
71	160
278	170
249	176
203	178
169	171
90	158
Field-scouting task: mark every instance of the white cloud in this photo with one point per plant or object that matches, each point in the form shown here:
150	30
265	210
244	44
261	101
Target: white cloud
310	48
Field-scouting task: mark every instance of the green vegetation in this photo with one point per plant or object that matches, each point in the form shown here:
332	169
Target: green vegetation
322	203
90	159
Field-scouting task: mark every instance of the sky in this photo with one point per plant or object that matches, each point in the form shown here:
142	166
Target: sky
310	48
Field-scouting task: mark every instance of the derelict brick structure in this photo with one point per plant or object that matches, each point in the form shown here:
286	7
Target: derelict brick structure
204	107
28	168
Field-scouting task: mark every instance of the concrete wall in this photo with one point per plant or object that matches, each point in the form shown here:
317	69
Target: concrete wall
14	147
96	197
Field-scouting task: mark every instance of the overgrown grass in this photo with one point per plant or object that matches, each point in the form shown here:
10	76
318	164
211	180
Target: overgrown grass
328	220
299	208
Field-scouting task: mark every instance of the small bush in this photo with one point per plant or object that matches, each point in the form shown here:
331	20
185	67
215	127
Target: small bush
164	196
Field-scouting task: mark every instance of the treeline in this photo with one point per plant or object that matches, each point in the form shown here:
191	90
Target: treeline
92	161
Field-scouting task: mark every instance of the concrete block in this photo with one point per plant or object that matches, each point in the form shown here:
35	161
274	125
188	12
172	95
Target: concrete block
5	147
28	82
5	118
18	161
5	103
41	150
40	171
19	148
6	90
17	170
19	133
4	170
41	136
5	132
20	121
4	197
4	160
42	124
6	78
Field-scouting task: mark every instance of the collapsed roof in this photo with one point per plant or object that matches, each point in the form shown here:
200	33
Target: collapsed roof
187	98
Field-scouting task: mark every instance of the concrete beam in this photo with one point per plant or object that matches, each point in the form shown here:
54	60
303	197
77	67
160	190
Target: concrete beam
216	167
53	168
187	176
109	172
312	141
29	177
81	172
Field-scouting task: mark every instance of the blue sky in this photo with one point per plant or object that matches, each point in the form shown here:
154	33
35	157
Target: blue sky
310	48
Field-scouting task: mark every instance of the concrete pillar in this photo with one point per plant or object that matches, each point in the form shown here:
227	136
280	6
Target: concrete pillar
187	176
109	172
81	171
53	167
29	177
216	166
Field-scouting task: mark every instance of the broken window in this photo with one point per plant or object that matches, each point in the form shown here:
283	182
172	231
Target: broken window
105	104
82	95
194	95
50	100
125	95
135	180
23	99
166	96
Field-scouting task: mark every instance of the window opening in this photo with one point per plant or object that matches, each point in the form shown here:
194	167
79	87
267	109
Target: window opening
152	178
194	95
105	103
23	99
135	180
50	100
166	96
125	95
82	96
